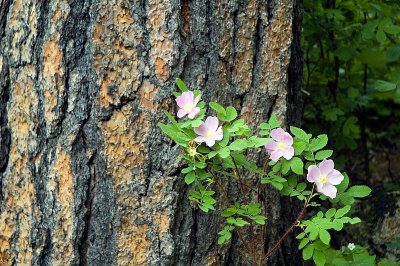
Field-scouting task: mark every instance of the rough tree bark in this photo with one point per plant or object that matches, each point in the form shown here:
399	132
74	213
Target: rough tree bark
87	177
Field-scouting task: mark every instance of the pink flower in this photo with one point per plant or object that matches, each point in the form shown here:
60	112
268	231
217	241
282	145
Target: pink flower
187	104
325	177
209	131
281	145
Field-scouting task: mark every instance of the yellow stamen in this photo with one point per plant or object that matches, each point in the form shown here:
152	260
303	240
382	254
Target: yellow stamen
323	179
281	145
210	135
188	107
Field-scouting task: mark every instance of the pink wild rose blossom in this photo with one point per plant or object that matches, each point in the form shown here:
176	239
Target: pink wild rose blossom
325	177
187	104
280	145
209	132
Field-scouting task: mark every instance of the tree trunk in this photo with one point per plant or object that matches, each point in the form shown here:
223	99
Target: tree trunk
87	177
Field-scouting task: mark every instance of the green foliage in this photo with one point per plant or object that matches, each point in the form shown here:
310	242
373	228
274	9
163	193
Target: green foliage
209	170
351	70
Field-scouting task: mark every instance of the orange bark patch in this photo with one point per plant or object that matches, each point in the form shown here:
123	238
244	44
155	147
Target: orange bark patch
162	46
123	16
124	149
161	69
163	225
62	236
18	188
116	60
15	10
147	92
56	16
52	78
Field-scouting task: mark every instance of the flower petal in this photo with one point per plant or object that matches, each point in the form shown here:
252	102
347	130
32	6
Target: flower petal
210	142
180	101
288	153
275	155
189	97
201	130
181	113
194	112
277	134
196	100
328	190
287	139
326	166
200	139
219	135
335	177
271	146
313	173
211	123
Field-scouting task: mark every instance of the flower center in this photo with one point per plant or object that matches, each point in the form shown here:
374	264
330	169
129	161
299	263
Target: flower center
209	134
323	179
188	107
281	145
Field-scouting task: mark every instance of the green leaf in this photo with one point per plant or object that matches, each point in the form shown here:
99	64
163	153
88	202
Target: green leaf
324	236
292	181
319	142
253	209
238	145
299	147
392	29
190	177
259	219
308	252
171	119
359	191
229	212
274	122
303	243
323	154
224	152
296	164
330	213
208	200
355	220
285	166
277	185
301	235
345	183
231	113
301	186
384	86
319	258
218	108
172	132
380	36
342	211
258	142
181	84
223	238
299	133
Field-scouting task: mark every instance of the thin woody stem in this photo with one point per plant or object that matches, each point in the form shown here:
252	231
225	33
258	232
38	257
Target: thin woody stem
295	223
219	185
238	176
